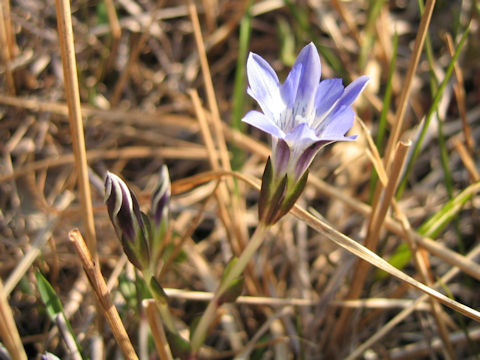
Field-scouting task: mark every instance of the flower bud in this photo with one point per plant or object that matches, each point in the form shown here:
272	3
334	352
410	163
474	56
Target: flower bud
161	198
160	213
127	220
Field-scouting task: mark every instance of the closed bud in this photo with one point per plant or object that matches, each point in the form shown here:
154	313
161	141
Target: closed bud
127	220
160	213
161	198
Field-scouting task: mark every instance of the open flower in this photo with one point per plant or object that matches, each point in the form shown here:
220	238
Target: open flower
303	114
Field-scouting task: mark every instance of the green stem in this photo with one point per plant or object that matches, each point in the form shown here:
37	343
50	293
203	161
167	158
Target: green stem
162	306
208	316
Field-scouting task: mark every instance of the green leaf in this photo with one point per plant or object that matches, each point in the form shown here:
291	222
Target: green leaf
102	15
233	291
128	289
157	289
433	226
433	108
49	296
52	303
228	268
179	346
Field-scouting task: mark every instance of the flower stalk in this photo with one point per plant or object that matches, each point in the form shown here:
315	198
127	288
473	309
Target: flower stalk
302	115
230	276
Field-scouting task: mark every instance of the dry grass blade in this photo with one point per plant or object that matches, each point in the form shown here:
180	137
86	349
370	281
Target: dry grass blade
8	329
67	49
158	334
407	86
423	348
467	160
373	154
459	89
6	49
373	259
389	326
376	220
212	101
421	263
178	73
124	153
370	303
359	250
39	242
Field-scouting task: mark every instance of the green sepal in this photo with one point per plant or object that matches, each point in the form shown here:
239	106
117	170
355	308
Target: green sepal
142	241
266	189
292	196
178	345
156	240
158	292
130	251
269	215
233	291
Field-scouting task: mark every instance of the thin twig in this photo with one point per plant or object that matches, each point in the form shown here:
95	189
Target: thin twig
92	269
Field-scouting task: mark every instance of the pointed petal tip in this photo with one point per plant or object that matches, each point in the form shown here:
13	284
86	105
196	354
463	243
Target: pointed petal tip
263	123
363	80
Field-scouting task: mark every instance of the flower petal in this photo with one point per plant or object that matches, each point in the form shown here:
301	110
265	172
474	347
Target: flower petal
350	94
290	86
337	126
264	86
263	122
280	157
309	62
301	137
329	91
306	158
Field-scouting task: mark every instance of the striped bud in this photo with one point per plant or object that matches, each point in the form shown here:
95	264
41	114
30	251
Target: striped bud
127	220
160	214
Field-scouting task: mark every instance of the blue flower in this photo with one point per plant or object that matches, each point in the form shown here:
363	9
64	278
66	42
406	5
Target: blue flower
303	114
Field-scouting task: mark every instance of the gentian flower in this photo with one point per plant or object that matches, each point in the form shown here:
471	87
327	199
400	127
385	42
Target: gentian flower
302	115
